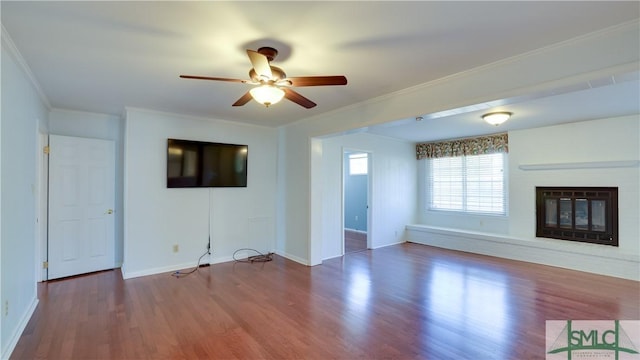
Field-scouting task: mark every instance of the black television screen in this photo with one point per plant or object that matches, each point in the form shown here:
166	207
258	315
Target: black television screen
206	164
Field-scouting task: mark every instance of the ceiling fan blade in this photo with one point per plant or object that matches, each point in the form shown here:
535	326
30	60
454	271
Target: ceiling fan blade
260	64
212	78
317	80
298	99
243	100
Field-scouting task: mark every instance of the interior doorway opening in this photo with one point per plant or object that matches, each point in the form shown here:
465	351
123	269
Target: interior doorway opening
356	179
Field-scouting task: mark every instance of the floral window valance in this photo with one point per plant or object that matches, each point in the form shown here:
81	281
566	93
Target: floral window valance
498	143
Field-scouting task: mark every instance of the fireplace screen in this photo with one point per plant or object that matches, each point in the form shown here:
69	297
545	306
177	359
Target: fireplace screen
587	214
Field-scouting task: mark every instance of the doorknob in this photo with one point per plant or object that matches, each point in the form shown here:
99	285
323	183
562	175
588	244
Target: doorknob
110	211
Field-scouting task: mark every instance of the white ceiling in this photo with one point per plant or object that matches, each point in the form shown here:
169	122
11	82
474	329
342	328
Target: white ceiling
105	56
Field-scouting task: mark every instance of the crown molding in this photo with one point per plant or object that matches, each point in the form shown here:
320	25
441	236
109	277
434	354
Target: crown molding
13	51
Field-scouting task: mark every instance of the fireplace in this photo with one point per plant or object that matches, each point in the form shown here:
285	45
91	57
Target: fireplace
585	214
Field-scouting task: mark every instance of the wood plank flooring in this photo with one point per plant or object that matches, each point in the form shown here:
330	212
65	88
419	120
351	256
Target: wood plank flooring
404	301
354	241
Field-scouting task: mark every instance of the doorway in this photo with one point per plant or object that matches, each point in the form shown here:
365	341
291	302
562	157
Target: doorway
356	180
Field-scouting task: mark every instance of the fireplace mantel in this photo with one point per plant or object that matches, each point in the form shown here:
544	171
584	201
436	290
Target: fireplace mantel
581	165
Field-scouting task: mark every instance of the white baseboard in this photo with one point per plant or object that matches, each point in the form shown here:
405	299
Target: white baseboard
376	247
592	258
170	268
13	341
389	244
153	271
332	257
176	267
293	258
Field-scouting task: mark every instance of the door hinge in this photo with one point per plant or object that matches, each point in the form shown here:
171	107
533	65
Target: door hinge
46	149
45	264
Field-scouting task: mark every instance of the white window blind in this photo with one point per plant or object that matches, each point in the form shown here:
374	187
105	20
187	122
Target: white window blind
473	183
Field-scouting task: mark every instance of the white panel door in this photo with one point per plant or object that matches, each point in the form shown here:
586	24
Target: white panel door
81	203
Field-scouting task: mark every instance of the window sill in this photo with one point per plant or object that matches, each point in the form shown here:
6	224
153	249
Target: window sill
465	213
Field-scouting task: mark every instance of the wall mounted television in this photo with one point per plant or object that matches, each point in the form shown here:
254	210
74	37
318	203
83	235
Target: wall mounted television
206	164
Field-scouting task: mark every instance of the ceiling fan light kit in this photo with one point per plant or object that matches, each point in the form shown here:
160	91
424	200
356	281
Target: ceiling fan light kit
272	83
496	118
267	94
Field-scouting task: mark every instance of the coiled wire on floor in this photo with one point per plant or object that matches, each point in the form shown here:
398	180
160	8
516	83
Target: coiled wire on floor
254	258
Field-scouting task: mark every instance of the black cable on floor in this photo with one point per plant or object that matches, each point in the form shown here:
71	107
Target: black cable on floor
255	258
180	274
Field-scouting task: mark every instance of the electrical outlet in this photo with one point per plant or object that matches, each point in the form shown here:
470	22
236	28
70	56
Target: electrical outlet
176	248
356	217
6	307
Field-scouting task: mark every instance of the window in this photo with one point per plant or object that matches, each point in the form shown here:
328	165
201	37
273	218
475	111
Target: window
471	183
358	164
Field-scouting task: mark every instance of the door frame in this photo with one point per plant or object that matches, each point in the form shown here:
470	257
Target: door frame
345	151
41	189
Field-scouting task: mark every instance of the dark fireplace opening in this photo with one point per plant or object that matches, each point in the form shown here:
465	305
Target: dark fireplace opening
585	214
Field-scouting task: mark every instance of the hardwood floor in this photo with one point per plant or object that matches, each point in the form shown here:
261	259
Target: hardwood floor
354	241
405	301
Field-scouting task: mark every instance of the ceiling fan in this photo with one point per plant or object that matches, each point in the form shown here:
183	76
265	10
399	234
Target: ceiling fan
272	84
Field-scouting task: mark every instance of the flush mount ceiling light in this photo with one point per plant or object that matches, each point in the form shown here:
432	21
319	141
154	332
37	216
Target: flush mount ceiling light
496	118
267	94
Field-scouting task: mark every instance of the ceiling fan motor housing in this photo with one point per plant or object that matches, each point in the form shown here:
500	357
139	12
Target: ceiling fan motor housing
269	52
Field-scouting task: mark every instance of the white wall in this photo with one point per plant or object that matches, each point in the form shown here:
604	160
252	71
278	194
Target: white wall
294	174
588	143
96	126
393	199
23	115
156	218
